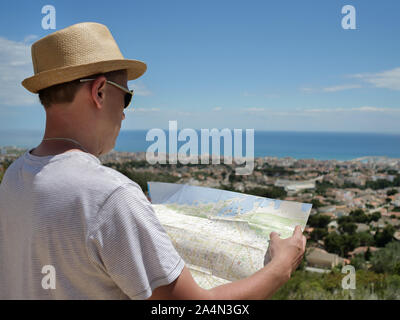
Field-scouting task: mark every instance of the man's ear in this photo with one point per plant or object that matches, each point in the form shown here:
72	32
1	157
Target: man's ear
99	91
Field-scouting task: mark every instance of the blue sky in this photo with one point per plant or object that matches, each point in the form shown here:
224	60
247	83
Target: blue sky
267	65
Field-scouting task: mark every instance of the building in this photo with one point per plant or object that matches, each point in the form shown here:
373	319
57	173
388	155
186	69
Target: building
317	257
295	186
362	250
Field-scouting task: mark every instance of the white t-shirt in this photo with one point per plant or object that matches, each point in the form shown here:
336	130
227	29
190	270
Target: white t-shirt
68	221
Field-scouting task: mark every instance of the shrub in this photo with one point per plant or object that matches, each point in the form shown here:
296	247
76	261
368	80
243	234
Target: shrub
365	238
359	216
142	177
387	259
375	216
385	236
318	234
271	192
316	203
333	243
348	227
319	221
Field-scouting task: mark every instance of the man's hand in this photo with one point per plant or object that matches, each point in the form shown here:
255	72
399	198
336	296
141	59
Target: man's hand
285	256
286	252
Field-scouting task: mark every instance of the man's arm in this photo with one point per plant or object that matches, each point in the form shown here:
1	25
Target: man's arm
285	256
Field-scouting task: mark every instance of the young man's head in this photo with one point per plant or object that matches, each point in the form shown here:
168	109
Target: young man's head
81	77
94	107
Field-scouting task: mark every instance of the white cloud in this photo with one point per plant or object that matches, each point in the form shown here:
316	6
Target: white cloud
311	112
389	79
265	95
248	94
254	109
271	95
374	109
140	89
30	38
217	109
15	66
331	89
308	89
143	110
186	114
354	109
341	87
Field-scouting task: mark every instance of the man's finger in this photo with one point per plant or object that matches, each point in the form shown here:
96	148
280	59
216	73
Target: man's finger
298	262
297	232
267	258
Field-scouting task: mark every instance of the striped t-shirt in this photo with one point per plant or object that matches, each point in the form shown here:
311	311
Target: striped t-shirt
71	228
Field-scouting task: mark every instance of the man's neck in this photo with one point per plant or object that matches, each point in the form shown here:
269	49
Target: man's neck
44	150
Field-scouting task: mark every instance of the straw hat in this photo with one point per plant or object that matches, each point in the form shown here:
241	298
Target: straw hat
78	51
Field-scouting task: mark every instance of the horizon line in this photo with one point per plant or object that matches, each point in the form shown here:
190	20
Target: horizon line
255	130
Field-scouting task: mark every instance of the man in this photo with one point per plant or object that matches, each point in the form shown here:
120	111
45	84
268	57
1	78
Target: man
71	228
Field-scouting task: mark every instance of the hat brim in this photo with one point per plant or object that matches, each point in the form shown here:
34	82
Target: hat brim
50	78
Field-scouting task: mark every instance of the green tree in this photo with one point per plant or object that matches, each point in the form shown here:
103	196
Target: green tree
359	216
391	192
349	243
321	187
142	177
358	262
367	254
319	221
348	227
271	192
365	238
257	191
276	193
385	236
3	167
344	219
316	203
333	243
386	259
375	216
380	184
318	234
235	178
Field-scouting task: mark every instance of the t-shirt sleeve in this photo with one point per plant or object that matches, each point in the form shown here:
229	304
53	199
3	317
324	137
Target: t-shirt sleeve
131	246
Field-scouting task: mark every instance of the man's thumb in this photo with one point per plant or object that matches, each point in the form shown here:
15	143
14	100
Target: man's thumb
274	235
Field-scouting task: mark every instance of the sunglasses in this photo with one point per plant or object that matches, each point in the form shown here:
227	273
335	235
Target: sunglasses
128	93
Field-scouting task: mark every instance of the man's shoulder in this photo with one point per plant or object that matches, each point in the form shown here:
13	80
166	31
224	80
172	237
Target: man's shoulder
116	178
96	175
81	174
77	174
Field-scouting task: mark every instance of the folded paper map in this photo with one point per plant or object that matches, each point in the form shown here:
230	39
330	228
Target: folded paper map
221	235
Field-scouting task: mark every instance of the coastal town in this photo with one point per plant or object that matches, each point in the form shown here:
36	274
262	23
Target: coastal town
356	203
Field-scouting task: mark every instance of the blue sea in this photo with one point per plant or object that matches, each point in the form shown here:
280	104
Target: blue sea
299	145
